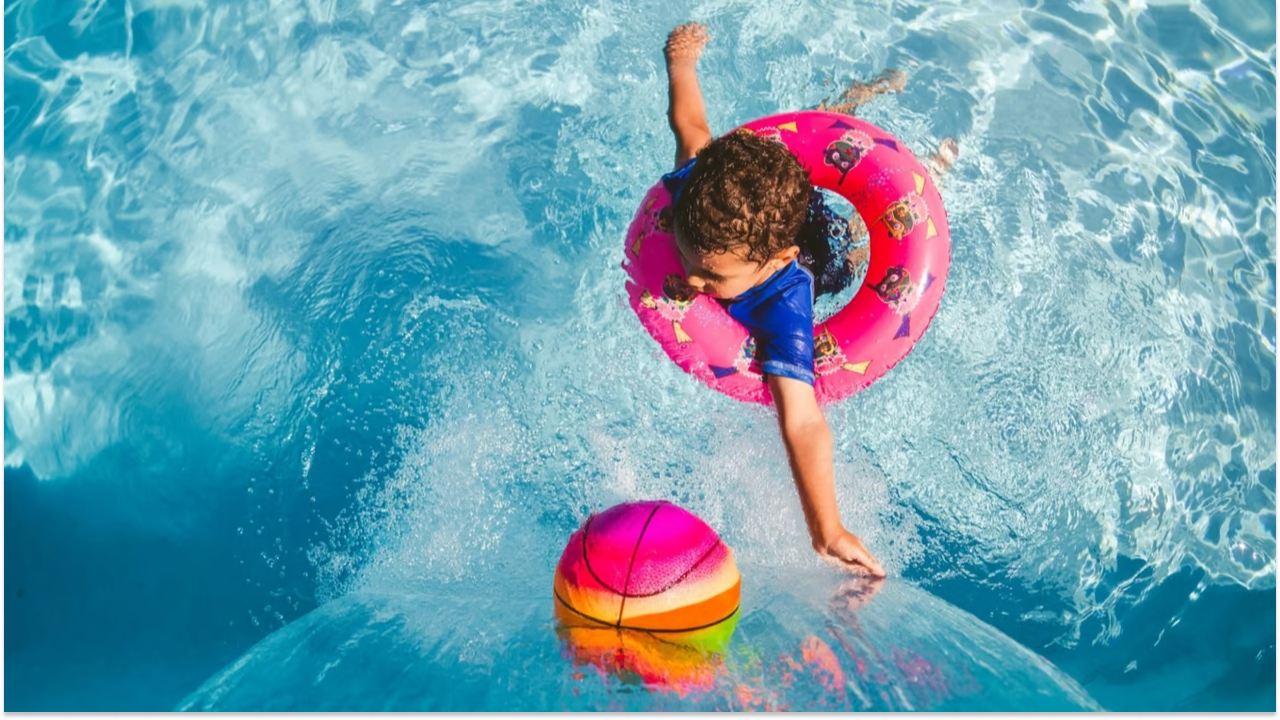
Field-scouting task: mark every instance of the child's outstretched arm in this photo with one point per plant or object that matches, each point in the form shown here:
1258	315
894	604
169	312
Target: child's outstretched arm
808	441
686	112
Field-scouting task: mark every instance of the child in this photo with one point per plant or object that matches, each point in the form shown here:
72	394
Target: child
739	207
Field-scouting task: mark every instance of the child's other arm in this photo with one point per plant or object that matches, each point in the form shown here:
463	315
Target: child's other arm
808	441
686	112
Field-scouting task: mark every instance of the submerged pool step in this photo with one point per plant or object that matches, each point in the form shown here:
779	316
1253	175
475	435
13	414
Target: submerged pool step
806	640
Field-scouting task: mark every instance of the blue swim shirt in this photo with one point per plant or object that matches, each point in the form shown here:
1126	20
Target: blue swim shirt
779	315
778	312
675	180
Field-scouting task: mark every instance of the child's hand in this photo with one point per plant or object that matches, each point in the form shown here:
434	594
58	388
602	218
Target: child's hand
685	43
850	553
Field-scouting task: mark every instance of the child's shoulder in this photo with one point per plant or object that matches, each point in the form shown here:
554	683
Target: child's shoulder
780	318
784	299
794	279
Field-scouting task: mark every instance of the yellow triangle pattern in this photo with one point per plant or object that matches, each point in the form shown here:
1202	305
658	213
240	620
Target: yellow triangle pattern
682	337
788	126
932	230
860	368
919	182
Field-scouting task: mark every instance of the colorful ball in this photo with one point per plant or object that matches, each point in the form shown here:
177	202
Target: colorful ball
648	566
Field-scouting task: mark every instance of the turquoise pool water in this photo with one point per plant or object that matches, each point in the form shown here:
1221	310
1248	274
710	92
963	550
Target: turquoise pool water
305	300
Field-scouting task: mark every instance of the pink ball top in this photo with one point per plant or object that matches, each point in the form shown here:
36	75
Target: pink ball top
643	548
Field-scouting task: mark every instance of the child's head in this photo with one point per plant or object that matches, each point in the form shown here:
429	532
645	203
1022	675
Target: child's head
738	216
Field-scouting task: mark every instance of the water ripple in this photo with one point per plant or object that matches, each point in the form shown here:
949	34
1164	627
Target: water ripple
320	232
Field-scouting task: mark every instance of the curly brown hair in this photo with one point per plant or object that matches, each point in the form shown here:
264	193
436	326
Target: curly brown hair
743	192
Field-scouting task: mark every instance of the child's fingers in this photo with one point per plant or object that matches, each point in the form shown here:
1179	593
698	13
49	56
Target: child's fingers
856	567
686	42
865	566
691	30
872	564
862	559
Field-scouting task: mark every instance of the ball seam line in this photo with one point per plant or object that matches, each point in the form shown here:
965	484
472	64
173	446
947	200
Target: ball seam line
586	559
630	566
683	575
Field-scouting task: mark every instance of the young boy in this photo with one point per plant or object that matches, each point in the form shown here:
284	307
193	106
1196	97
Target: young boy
740	204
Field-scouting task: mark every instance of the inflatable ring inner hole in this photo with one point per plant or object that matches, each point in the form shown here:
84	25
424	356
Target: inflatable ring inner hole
854	251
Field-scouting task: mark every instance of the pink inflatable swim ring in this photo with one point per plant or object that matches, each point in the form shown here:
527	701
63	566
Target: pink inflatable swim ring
910	250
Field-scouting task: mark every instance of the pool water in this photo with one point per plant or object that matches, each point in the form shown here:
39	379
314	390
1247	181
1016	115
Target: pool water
311	300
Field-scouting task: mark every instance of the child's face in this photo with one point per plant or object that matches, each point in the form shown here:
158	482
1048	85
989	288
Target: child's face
729	274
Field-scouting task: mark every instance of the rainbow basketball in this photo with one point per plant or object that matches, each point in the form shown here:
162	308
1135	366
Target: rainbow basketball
651	567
